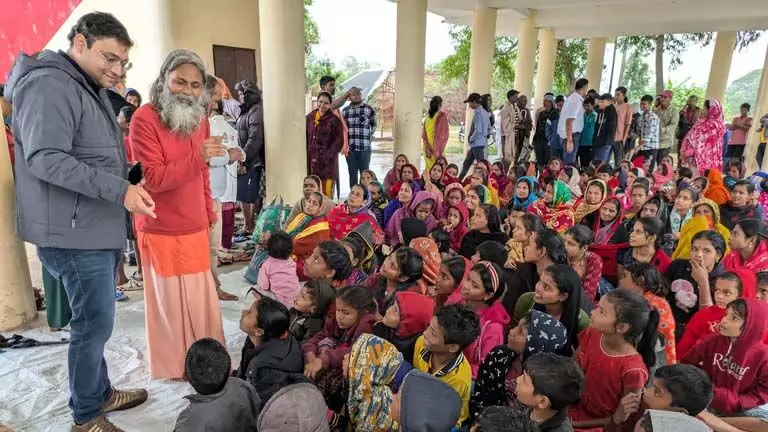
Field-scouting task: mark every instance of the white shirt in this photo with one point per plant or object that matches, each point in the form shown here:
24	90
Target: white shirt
223	174
572	109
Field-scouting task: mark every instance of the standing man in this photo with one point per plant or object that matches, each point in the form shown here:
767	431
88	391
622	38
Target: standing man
250	137
740	126
478	133
72	192
668	119
605	130
623	124
508	116
360	119
649	132
223	171
523	126
171	137
572	121
688	116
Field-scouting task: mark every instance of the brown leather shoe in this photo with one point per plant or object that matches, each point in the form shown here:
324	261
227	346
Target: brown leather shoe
121	400
99	424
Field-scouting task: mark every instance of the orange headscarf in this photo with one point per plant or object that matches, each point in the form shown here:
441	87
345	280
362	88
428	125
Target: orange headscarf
430	253
716	190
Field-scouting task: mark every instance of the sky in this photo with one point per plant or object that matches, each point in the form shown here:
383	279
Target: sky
366	29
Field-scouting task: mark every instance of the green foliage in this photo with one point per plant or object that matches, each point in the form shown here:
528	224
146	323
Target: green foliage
317	67
311	32
743	89
683	90
637	77
455	67
351	66
570	64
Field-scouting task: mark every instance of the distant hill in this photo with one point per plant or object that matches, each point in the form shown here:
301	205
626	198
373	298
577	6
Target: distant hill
743	89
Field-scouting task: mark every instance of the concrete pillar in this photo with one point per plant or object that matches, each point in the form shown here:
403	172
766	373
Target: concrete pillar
17	302
483	46
760	109
409	77
282	37
545	73
526	55
595	57
725	42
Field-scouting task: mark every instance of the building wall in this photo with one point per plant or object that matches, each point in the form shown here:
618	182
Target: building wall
159	26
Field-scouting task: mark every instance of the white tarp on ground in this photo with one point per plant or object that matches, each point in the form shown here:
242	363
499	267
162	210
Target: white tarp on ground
34	388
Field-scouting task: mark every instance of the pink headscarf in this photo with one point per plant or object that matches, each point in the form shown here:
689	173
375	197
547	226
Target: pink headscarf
704	142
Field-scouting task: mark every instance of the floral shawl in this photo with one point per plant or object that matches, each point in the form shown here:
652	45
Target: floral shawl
533	184
373	364
341	222
558	215
581	209
704	142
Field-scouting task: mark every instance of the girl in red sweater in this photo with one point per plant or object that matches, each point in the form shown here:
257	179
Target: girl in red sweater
729	286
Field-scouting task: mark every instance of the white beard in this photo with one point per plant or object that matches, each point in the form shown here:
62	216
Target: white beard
181	113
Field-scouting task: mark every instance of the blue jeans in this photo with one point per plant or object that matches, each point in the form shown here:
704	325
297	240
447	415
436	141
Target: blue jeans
602	153
555	148
569	158
473	154
357	161
89	280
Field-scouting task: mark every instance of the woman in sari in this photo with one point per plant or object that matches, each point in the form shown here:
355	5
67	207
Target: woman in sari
553	209
480	177
610	236
716	190
351	214
749	246
585	208
502	179
312	183
571	177
407	173
702	147
325	138
434	134
393	175
706	216
308	229
525	192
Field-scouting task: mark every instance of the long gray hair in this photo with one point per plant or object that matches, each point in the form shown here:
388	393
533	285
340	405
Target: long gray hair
175	59
181	113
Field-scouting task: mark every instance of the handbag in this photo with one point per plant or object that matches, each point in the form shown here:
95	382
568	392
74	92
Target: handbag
271	219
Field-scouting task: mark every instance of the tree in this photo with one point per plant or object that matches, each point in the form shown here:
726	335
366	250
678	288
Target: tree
637	78
311	32
683	90
743	89
351	66
455	67
570	63
317	67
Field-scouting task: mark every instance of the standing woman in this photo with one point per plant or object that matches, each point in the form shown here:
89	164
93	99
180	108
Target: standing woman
325	138
434	134
703	145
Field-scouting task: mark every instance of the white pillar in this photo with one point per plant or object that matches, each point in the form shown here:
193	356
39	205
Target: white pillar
526	55
595	57
725	43
17	302
409	77
483	46
760	109
545	73
282	43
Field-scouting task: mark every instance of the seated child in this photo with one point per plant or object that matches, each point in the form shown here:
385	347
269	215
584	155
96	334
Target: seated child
405	321
504	419
456	224
310	308
424	403
762	286
729	286
645	279
401	271
548	386
270	352
357	252
439	350
480	293
496	383
329	263
277	276
355	315
736	360
615	354
453	272
222	403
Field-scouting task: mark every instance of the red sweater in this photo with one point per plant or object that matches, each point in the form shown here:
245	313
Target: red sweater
702	324
738	369
174	174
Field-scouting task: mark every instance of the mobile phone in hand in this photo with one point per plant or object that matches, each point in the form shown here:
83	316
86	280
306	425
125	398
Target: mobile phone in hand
135	175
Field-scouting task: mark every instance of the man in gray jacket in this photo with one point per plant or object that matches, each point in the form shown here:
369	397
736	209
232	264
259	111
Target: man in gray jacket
72	193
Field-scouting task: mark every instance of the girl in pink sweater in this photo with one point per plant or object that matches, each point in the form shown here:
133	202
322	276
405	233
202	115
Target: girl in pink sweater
277	276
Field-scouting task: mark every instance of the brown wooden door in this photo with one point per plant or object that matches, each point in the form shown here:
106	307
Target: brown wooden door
234	64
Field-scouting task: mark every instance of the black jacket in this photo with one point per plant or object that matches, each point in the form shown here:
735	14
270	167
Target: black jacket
271	363
250	133
304	326
605	128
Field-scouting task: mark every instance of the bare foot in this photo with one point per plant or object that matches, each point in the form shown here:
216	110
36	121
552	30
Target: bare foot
225	296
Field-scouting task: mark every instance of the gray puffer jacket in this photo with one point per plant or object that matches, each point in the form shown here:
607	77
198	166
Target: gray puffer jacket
71	165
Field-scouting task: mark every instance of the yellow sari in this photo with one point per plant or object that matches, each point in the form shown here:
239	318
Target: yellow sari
429	127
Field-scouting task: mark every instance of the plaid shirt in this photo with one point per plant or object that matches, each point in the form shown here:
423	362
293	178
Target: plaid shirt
361	121
649	131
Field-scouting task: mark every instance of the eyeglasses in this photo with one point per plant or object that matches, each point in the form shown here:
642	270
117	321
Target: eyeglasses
111	60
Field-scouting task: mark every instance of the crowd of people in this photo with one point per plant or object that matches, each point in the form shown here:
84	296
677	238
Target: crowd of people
551	291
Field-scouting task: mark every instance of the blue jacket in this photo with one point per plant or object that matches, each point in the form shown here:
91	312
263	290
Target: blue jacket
481	128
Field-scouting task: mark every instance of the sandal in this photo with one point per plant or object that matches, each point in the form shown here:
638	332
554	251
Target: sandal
132	285
138	277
